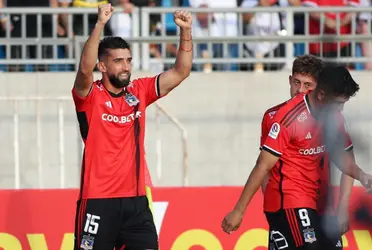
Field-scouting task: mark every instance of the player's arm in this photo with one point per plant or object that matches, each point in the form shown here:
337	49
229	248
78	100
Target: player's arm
338	149
264	132
264	164
84	76
182	68
348	166
276	141
347	182
346	186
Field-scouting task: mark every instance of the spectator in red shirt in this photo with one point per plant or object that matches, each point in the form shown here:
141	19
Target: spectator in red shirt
330	49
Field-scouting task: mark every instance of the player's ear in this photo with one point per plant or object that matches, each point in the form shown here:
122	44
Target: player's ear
101	67
290	79
321	95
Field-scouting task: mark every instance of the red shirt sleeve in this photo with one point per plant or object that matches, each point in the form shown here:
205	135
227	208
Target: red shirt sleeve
81	103
277	139
265	127
149	88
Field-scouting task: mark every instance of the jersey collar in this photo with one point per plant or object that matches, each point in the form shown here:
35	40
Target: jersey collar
307	102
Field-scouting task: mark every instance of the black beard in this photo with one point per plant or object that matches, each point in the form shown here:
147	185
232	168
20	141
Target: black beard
117	83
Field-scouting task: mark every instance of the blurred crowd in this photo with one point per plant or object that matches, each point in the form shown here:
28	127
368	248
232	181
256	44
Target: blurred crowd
205	24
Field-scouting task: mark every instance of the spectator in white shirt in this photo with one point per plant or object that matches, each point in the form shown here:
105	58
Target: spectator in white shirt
222	24
264	24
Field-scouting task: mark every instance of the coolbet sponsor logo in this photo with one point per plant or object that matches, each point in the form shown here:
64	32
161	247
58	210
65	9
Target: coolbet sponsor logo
313	151
121	119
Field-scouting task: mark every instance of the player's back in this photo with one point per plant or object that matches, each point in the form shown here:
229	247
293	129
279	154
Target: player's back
296	137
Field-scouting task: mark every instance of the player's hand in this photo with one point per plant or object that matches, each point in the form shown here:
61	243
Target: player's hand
343	218
183	19
232	221
104	13
366	181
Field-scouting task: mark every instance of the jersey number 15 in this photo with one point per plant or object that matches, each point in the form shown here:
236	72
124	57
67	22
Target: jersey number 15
91	224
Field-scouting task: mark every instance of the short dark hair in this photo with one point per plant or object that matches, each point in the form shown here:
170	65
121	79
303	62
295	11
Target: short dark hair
111	42
337	81
308	65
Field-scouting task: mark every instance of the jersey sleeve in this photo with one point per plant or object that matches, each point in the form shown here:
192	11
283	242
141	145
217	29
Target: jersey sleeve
149	88
81	103
277	139
265	127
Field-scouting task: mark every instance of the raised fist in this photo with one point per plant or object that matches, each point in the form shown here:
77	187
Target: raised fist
183	19
105	12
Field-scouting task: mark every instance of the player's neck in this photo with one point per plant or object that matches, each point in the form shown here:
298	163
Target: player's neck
313	105
111	88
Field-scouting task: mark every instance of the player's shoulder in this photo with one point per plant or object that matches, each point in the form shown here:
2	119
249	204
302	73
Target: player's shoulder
144	82
292	109
270	113
340	117
145	79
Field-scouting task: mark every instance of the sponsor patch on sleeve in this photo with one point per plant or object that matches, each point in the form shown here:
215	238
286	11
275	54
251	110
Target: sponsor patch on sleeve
274	131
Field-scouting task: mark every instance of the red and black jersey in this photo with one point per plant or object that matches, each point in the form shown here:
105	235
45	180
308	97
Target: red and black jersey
113	130
326	199
324	182
296	137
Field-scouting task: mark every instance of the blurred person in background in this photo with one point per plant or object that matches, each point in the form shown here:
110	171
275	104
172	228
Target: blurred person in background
264	24
366	46
221	24
79	24
4	22
304	76
112	209
330	49
31	32
121	23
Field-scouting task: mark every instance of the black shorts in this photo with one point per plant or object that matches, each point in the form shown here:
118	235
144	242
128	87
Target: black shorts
297	228
331	233
105	224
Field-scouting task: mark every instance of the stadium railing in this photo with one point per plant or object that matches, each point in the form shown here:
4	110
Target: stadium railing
38	117
142	38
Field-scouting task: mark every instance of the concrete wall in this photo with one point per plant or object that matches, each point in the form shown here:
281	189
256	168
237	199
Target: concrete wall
221	112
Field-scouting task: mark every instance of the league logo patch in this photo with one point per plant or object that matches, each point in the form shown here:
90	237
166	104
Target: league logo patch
131	99
87	242
274	131
309	235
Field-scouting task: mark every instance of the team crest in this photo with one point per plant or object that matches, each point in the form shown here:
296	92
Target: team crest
131	99
309	235
87	242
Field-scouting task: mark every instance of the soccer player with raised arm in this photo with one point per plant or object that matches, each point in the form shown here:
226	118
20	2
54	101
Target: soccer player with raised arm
112	209
293	159
305	71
